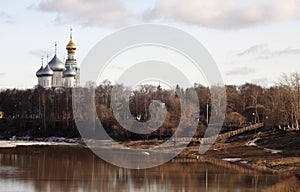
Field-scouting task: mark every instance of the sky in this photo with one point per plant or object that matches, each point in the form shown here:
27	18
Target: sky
251	41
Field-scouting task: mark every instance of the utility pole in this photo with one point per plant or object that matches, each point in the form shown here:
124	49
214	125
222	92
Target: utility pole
207	112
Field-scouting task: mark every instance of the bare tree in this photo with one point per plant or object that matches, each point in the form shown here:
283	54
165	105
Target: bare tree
291	83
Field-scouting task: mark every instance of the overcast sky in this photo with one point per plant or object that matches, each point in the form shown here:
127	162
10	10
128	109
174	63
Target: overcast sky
251	41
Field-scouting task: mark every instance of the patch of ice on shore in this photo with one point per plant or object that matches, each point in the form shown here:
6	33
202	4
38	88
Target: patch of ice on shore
12	144
244	162
145	153
274	151
232	159
7	144
252	142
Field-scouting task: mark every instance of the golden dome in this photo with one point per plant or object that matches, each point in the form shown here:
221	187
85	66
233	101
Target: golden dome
71	47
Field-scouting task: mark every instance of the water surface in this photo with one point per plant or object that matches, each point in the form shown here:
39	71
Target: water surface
71	168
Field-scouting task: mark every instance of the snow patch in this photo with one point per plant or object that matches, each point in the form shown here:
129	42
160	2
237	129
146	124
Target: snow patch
145	153
12	144
232	159
244	162
274	151
252	142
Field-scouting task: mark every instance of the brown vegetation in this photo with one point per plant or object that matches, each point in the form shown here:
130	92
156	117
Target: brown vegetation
277	106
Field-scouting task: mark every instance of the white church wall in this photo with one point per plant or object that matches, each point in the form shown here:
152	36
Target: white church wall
47	81
57	79
69	81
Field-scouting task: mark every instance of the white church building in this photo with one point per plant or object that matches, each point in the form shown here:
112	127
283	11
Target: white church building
57	74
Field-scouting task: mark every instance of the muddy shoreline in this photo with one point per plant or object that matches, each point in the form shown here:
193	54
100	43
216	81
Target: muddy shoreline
274	152
269	151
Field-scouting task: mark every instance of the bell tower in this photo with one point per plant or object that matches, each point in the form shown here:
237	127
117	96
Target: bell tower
71	61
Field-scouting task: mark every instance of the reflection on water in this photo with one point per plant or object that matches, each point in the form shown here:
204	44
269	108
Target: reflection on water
77	169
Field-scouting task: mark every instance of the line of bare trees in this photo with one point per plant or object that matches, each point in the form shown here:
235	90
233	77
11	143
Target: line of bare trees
276	106
36	103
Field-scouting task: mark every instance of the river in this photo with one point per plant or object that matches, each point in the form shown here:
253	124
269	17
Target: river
73	168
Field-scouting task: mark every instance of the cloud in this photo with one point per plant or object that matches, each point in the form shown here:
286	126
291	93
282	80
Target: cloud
253	50
263	51
240	71
287	51
87	12
220	14
5	18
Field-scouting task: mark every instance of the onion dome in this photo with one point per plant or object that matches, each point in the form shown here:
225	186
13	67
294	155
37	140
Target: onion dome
56	64
39	73
71	47
69	72
47	71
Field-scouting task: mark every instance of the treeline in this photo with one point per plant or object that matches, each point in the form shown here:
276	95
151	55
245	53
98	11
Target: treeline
274	106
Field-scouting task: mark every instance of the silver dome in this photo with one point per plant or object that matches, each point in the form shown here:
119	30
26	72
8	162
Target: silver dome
39	73
56	64
47	71
69	72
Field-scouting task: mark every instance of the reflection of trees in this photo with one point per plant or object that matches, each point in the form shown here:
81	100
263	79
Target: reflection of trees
74	168
290	185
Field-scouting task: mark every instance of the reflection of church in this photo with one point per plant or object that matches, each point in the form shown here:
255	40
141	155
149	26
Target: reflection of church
57	74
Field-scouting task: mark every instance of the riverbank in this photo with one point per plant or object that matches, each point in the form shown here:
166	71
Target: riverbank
266	151
274	151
